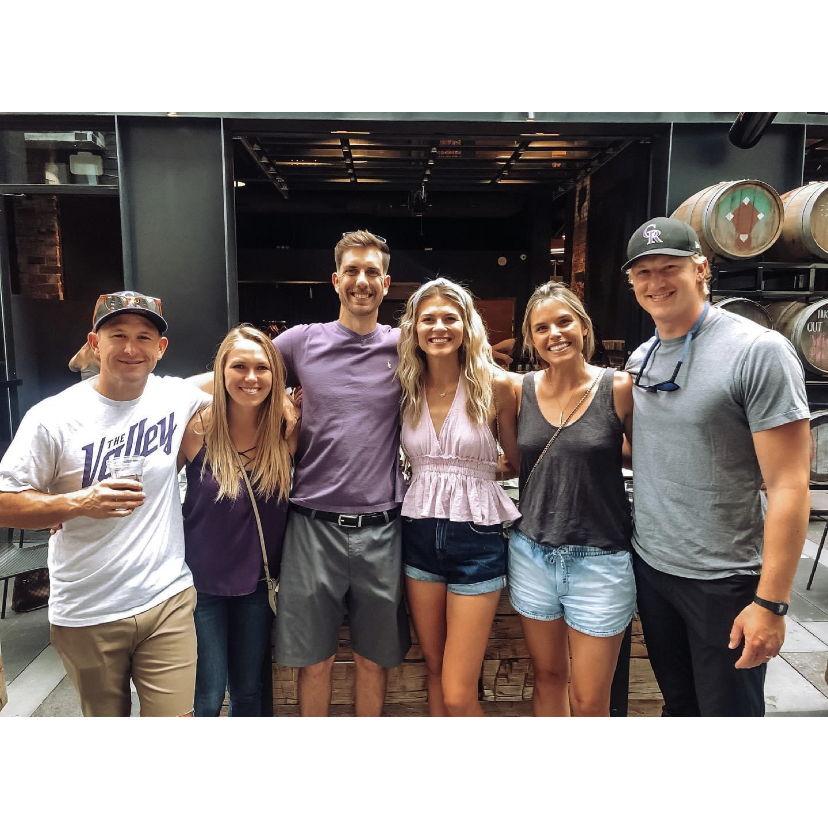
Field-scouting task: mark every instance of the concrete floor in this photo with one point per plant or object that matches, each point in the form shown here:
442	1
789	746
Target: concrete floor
795	685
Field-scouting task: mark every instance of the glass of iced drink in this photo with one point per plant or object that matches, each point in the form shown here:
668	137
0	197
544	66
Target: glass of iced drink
126	468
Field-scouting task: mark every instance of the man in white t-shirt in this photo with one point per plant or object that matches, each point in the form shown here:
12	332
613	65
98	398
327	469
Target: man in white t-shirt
121	603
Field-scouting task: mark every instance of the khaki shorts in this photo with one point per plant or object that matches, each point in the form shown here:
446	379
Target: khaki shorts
156	649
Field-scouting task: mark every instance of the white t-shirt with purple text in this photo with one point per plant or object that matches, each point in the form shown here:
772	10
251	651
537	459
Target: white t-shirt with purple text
101	570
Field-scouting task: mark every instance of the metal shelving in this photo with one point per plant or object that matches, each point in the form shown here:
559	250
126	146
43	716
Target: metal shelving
761	280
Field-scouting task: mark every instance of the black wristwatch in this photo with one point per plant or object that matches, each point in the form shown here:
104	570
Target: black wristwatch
776	607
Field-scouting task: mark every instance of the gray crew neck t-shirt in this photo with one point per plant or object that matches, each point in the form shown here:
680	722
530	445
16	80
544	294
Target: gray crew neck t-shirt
347	459
697	511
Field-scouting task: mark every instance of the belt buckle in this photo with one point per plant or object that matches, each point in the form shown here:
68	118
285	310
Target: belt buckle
345	520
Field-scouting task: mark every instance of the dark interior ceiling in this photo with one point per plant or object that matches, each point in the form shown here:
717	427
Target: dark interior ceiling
463	159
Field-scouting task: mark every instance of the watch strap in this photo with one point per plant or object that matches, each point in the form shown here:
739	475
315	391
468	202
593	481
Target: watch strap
776	607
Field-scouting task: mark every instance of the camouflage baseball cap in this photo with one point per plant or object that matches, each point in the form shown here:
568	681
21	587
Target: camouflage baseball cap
110	305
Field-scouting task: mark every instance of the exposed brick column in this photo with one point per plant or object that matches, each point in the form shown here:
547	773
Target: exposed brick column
39	254
579	238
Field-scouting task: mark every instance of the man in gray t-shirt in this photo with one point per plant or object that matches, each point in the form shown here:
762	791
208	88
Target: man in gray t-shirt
342	547
719	404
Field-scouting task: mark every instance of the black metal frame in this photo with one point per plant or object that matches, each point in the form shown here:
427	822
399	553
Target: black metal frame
761	270
818	514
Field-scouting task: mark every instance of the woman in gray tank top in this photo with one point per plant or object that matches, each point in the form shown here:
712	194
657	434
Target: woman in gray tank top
570	570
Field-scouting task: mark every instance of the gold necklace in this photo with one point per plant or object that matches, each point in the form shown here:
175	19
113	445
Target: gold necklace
450	388
578	404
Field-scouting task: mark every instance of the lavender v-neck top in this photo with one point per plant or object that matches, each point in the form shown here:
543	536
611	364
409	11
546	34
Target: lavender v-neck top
454	472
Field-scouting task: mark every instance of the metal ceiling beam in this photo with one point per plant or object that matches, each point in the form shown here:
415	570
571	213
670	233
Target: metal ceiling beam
599	161
263	162
506	169
345	146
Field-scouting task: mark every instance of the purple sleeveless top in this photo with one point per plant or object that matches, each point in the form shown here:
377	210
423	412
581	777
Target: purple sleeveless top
222	545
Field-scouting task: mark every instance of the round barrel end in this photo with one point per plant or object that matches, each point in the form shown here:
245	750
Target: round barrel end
734	219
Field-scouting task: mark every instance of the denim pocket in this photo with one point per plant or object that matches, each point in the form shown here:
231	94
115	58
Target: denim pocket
478	529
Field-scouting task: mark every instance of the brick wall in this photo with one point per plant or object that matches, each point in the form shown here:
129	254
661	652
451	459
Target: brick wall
579	237
39	255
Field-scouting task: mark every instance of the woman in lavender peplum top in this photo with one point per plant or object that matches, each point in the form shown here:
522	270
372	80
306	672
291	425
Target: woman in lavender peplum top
245	425
454	401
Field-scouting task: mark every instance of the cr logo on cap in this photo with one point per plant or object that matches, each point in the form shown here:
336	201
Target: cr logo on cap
652	234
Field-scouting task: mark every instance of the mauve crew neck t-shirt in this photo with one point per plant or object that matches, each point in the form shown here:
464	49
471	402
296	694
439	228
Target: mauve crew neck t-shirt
347	459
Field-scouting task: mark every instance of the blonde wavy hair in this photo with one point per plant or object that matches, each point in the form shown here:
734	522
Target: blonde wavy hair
475	354
272	463
561	293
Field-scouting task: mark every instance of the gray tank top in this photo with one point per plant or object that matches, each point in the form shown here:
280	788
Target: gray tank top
576	496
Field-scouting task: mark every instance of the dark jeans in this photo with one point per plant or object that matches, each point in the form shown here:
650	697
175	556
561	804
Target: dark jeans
686	624
233	647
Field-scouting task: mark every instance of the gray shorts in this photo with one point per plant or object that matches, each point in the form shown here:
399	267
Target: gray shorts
328	569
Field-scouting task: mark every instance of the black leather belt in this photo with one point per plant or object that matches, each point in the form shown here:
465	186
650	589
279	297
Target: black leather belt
349	521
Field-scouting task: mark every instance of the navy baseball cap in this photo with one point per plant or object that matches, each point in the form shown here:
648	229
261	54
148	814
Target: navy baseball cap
663	236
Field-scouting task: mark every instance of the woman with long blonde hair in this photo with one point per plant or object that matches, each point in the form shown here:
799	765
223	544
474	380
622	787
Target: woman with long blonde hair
244	428
570	568
455	402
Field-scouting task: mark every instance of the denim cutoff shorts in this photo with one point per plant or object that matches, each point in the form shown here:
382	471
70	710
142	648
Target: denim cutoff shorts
468	557
592	589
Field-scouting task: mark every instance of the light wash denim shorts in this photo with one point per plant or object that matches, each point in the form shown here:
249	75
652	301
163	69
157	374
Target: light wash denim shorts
592	589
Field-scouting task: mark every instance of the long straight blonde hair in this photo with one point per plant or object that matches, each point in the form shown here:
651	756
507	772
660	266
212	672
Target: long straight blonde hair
475	353
272	463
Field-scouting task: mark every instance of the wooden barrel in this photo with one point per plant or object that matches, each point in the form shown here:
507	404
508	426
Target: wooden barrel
807	328
747	308
805	226
734	219
819	447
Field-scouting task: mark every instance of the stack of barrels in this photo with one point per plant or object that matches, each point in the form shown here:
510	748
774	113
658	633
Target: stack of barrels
739	220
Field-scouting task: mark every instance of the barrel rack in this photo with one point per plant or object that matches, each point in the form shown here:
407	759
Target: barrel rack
761	280
770	280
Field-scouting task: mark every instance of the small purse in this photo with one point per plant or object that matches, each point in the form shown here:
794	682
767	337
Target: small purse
272	583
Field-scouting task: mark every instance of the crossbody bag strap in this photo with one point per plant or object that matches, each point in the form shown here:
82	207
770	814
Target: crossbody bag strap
560	428
258	521
497	415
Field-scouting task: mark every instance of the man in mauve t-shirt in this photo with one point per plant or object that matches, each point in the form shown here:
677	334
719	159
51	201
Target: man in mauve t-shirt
342	549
